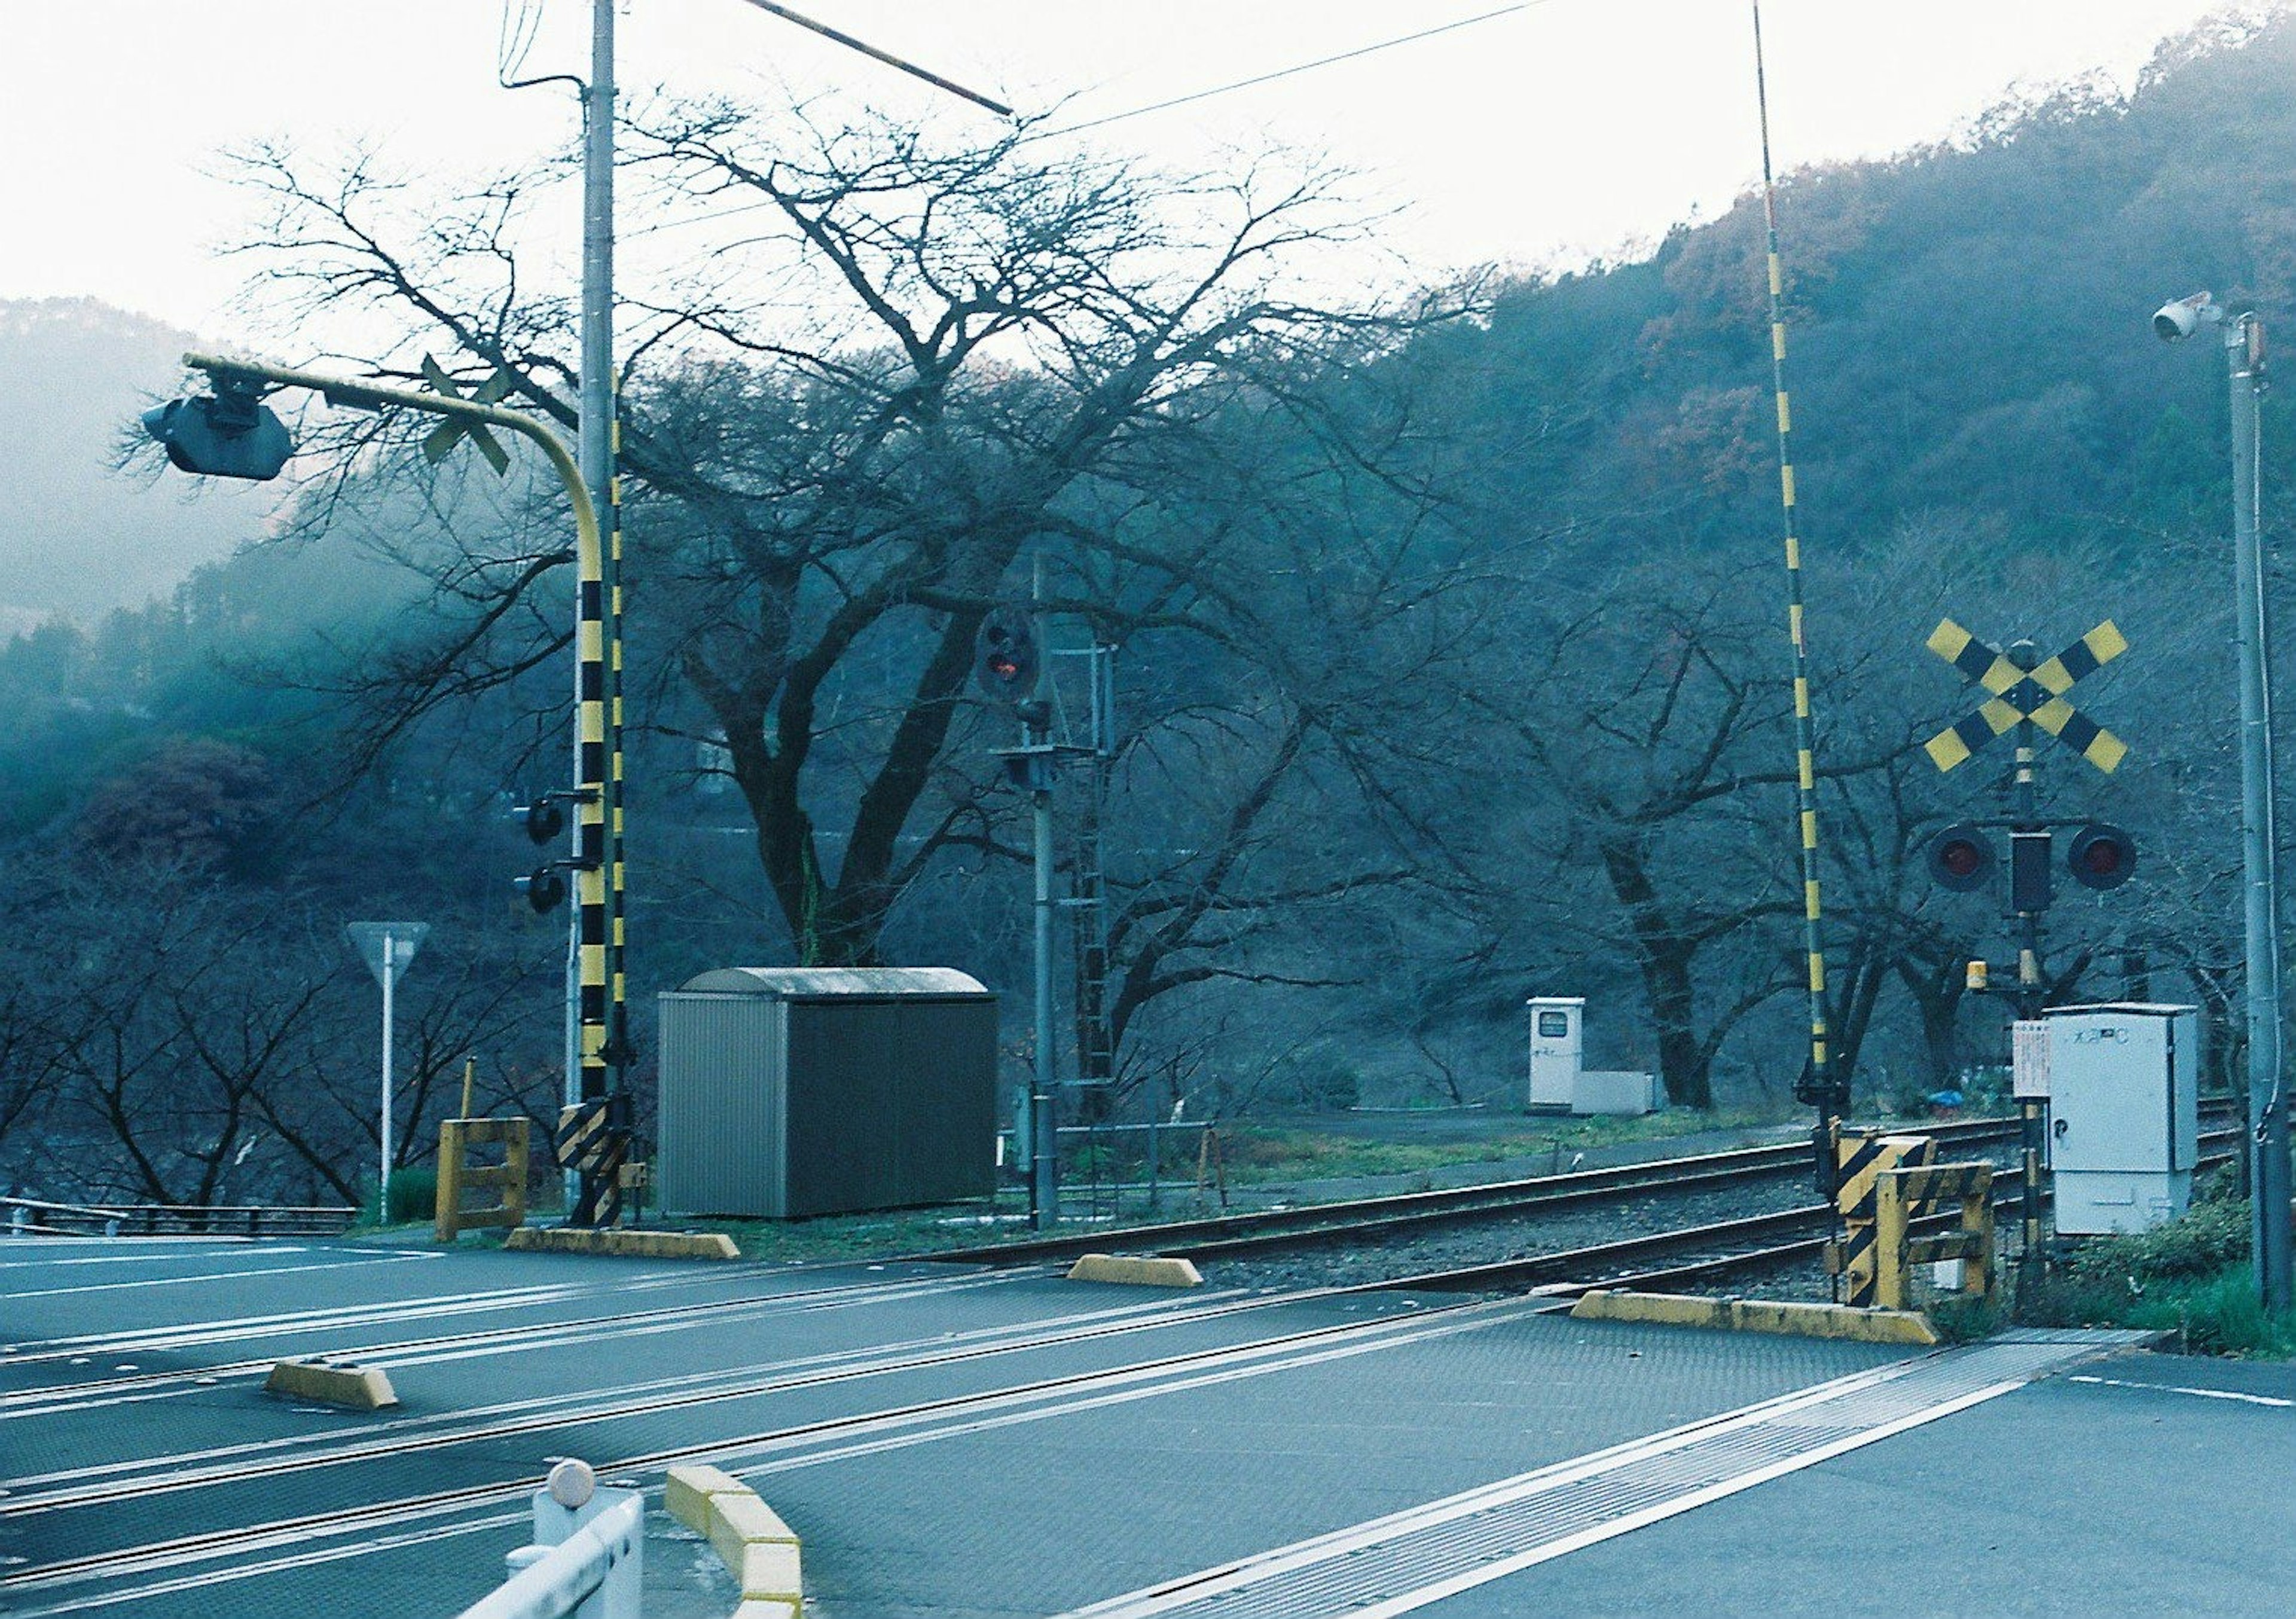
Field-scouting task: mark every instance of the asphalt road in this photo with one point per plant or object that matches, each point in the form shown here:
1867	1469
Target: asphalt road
961	1445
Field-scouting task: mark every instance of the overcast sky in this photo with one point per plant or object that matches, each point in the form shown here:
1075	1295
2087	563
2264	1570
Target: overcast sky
1563	128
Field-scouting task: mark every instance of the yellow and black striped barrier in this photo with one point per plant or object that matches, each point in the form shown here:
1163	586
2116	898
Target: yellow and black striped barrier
594	1140
1905	1195
2018	697
1860	1159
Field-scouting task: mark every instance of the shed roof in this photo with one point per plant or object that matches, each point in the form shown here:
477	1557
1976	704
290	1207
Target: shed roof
836	983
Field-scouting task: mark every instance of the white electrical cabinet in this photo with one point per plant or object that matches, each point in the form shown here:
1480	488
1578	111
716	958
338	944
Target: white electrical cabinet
2124	1104
1559	1080
1557	1037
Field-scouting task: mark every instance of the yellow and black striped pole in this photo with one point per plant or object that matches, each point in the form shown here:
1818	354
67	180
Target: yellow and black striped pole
617	1046
1819	1088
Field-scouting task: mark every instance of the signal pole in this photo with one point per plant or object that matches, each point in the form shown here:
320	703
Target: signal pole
2032	1114
2267	1098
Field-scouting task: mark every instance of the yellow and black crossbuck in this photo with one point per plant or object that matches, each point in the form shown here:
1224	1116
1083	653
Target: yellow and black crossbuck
2018	696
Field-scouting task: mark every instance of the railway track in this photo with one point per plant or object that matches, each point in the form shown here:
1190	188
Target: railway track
1709	1252
1373	1219
1130	1363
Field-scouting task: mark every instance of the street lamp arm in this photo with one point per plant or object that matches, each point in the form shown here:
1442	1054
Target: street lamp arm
597	720
375	396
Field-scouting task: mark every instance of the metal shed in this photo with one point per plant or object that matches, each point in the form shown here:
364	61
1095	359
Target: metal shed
796	1090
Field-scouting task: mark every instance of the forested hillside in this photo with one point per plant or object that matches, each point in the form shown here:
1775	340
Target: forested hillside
1448	635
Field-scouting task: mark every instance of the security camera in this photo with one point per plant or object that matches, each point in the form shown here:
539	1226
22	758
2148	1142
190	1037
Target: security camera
2182	318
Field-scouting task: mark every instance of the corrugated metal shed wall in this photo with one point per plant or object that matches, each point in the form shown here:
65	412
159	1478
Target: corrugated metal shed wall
723	1147
792	1092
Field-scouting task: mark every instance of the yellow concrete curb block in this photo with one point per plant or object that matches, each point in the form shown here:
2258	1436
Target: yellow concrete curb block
632	1245
759	1549
1136	1270
362	1388
1757	1315
687	1494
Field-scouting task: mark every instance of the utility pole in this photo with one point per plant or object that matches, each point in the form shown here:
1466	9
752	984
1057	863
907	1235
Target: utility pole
2268	1101
2267	1095
597	928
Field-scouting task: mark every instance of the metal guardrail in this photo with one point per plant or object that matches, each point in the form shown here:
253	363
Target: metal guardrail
595	1572
33	1217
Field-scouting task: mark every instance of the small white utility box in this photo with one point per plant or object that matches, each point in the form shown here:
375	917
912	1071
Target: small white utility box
1560	1083
1557	1036
2125	1124
1615	1091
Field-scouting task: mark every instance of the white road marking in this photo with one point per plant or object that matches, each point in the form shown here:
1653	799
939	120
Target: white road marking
135	1259
193	1469
1665	1450
236	1563
2198	1394
180	1281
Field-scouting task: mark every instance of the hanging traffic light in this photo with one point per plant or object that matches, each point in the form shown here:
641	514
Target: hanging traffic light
1961	858
1005	655
228	434
2102	855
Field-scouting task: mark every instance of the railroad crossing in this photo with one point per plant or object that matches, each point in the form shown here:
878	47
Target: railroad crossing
973	1439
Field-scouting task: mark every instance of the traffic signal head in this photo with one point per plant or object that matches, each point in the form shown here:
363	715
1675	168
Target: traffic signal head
1005	655
227	434
542	819
1961	858
543	887
2102	855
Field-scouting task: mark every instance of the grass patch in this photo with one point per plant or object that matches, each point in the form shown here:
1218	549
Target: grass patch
1258	1153
869	1236
2190	1277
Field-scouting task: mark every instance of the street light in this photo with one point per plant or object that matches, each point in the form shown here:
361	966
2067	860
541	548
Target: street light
2268	1102
205	436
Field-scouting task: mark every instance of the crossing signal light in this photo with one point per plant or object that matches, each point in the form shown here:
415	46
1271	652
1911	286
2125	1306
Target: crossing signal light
1006	658
227	434
543	888
541	821
1961	859
2102	855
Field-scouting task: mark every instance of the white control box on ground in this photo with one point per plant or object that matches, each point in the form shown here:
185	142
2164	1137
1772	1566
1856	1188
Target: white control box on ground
1557	1038
2124	1104
1615	1092
1559	1081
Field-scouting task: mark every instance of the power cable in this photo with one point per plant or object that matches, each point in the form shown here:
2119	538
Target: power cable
1180	100
1297	68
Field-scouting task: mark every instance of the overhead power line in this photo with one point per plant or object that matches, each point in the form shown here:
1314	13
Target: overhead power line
1178	101
1297	68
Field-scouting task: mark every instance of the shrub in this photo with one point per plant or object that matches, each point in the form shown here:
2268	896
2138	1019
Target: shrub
2202	1241
414	1197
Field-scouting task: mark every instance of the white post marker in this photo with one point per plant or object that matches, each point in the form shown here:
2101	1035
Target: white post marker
388	949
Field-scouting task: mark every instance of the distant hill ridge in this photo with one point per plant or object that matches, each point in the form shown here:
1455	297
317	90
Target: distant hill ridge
83	537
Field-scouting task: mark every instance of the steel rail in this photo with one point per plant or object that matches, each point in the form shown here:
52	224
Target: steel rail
802	1298
1328	1220
297	1531
1531	1269
1548	1269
